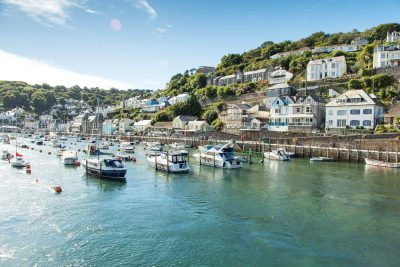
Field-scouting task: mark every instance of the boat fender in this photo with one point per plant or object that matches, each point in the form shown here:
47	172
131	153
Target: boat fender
28	171
49	153
77	163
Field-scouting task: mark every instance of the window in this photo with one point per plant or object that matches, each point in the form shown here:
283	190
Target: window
333	74
354	123
333	65
330	122
367	123
341	123
367	111
383	55
355	111
341	112
330	112
298	110
308	109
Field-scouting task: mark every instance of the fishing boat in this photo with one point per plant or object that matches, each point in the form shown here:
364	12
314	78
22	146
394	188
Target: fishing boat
39	141
322	159
276	155
91	148
380	163
221	156
5	155
175	162
69	157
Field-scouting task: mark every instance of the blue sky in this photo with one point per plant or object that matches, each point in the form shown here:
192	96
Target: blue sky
73	41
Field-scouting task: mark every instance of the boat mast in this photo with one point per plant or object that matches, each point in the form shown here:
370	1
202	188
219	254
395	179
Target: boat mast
97	130
16	130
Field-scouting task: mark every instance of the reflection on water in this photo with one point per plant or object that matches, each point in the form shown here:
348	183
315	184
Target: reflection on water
282	213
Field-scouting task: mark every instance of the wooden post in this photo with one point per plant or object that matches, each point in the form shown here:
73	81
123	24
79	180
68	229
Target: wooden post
310	156
368	154
214	160
397	154
155	160
338	153
302	151
387	154
379	154
348	154
167	161
200	156
358	155
250	156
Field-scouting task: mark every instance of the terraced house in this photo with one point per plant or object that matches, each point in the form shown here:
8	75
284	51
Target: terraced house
297	113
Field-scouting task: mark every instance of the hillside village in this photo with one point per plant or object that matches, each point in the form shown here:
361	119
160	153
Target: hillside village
334	84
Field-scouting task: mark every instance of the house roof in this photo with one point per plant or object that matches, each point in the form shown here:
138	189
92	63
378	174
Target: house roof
142	123
325	60
198	123
350	98
187	118
279	86
254	71
163	125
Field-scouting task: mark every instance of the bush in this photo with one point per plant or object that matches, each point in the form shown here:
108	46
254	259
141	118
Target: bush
355	84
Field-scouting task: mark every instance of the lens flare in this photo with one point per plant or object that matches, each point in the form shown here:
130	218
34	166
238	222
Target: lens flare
116	25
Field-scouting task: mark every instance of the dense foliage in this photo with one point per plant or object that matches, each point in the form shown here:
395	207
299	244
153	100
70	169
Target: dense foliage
40	98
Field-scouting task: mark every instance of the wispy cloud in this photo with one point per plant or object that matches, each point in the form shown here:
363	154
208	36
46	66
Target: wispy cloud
162	30
91	11
17	68
48	12
146	7
163	64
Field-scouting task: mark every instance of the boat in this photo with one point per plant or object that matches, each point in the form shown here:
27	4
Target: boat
221	156
322	159
175	162
128	147
5	155
124	156
106	168
18	162
276	155
59	151
64	138
69	157
380	163
39	141
154	149
91	148
177	146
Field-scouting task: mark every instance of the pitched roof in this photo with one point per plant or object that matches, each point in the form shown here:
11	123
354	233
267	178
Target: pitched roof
353	98
187	118
279	86
163	125
142	123
197	122
325	60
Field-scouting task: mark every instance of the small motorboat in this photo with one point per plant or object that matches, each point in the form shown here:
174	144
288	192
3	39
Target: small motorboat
322	159
39	142
106	168
5	155
277	155
69	157
18	162
124	156
175	162
379	163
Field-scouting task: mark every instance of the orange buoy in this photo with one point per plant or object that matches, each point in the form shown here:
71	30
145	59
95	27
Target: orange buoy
28	166
57	189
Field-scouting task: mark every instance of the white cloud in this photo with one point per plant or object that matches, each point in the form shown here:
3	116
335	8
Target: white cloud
49	12
91	11
16	68
146	7
161	30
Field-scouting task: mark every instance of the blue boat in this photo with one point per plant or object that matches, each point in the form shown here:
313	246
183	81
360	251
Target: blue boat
106	168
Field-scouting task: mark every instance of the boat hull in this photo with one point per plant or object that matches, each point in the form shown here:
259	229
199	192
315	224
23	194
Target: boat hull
115	174
169	167
218	163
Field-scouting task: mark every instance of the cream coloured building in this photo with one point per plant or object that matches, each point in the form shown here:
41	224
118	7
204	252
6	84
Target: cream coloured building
320	69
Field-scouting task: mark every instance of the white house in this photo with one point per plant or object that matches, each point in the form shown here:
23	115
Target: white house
280	76
181	122
355	108
178	99
386	56
125	125
199	126
303	113
340	47
142	125
333	67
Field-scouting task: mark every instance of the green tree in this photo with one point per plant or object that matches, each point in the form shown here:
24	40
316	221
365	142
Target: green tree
39	103
210	115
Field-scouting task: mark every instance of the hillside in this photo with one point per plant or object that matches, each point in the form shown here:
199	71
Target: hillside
40	98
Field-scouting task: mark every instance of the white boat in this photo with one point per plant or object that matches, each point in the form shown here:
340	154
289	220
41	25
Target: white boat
123	156
39	141
380	163
59	151
177	146
127	147
56	143
175	162
18	162
221	156
322	159
69	157
154	149
276	155
107	168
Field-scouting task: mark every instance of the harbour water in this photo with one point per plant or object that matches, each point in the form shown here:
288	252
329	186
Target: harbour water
293	213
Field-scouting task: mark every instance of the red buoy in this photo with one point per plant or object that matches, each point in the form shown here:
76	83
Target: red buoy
77	163
28	171
57	189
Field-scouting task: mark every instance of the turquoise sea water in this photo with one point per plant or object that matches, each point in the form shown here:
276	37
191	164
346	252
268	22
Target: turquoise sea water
273	214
